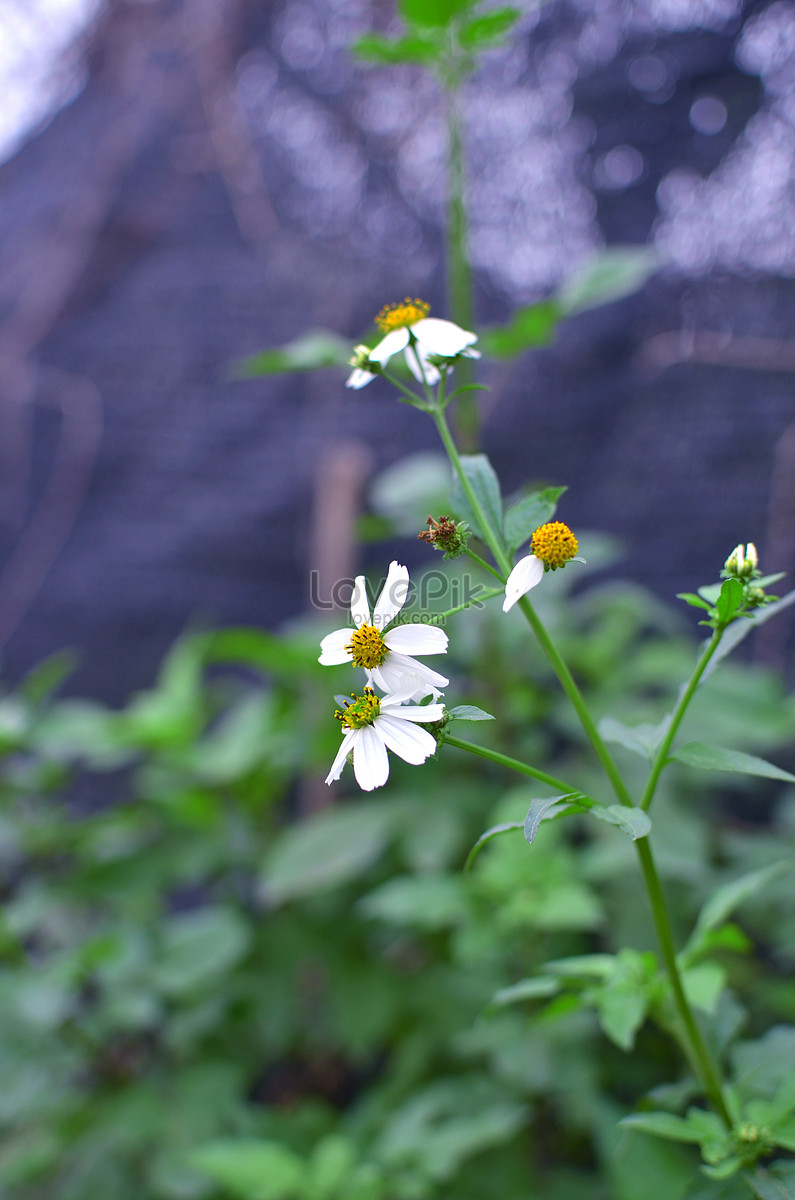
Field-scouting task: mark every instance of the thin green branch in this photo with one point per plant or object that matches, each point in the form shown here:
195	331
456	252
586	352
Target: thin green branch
512	764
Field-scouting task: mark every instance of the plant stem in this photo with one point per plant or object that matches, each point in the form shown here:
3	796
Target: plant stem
676	718
486	566
700	1057
459	274
512	764
451	612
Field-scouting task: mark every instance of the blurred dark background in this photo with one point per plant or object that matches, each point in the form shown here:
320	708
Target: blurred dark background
224	176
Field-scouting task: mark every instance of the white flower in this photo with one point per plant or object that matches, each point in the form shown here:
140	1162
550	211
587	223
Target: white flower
433	338
372	725
553	545
386	657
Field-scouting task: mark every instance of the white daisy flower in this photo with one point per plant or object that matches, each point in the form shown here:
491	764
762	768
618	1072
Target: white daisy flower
371	726
553	545
432	337
387	657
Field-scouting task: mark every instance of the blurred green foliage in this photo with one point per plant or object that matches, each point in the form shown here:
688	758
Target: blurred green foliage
214	988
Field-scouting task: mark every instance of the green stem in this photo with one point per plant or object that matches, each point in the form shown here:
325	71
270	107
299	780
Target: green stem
676	718
412	397
512	764
700	1057
486	566
459	274
451	612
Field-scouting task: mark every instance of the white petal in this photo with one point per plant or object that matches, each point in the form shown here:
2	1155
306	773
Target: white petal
348	742
360	609
526	574
408	741
332	648
370	759
358	378
432	376
426	714
393	343
399	674
442	337
417	639
393	595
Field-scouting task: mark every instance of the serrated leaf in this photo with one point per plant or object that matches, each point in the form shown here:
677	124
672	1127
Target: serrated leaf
495	831
469	712
717	758
527	989
612	274
532	326
251	1170
485	484
633	821
489	29
543	809
523	518
312	351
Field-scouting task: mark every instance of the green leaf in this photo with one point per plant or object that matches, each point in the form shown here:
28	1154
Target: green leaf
330	1166
416	48
489	29
703	985
495	831
529	327
325	851
730	599
596	966
469	712
538	988
484	483
47	676
740	630
432	13
664	1125
641	739
251	1170
725	900
693	600
523	518
768	1184
633	821
312	351
419	902
543	810
716	758
623	999
614	273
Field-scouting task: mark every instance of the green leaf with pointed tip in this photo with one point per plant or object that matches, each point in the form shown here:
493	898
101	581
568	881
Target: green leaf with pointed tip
538	988
523	518
641	739
544	810
532	326
633	821
596	966
486	486
616	272
740	630
693	600
488	30
469	712
662	1124
716	758
311	351
725	900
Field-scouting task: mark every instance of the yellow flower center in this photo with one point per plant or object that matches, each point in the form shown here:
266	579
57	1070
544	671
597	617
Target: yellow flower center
554	544
402	314
367	648
361	711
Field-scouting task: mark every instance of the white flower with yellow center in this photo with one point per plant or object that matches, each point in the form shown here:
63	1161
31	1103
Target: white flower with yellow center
408	327
552	545
387	656
373	725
